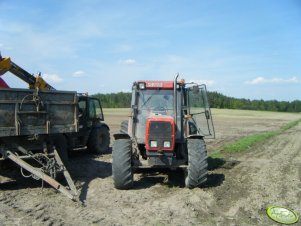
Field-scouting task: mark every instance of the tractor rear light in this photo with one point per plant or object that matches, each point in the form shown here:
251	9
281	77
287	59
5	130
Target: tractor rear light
153	144
166	144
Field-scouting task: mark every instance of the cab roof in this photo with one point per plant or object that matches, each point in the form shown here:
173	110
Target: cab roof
157	84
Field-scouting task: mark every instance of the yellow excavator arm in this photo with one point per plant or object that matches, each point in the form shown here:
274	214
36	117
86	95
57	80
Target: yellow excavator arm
4	65
34	82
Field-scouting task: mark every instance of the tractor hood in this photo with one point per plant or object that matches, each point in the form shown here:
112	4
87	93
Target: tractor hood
160	133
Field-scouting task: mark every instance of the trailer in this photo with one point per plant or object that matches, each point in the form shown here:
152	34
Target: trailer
43	125
33	125
93	133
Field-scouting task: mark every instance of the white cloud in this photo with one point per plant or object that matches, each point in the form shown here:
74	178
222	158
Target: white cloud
128	61
52	78
206	82
54	44
78	74
262	80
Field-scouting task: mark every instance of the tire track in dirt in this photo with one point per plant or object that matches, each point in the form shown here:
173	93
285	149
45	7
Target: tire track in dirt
44	209
269	174
19	211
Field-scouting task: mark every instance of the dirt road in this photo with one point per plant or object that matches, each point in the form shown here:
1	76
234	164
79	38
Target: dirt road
237	192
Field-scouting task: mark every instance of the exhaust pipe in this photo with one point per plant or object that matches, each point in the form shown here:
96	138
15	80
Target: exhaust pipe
175	102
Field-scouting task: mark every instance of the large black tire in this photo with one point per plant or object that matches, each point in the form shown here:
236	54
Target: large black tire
122	164
99	140
60	143
197	163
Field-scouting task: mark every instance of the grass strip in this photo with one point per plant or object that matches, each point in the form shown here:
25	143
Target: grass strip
290	125
247	142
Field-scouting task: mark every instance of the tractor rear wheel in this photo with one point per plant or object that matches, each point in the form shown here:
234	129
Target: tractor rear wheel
197	163
99	140
122	164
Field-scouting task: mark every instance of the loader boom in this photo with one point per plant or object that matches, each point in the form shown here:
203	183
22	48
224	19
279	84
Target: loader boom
6	64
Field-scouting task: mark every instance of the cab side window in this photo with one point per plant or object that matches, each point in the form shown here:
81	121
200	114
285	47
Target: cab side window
82	106
92	113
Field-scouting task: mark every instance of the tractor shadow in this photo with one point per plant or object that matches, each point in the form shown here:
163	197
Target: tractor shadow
12	179
173	179
216	179
221	163
84	168
151	177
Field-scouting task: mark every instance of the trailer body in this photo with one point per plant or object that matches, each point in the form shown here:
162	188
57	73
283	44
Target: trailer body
25	112
33	125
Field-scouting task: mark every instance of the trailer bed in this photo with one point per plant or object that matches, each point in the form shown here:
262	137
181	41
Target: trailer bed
32	112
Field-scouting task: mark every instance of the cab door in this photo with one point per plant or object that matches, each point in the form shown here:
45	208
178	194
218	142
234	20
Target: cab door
199	113
83	114
95	110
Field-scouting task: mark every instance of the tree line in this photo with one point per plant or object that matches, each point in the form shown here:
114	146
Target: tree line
216	100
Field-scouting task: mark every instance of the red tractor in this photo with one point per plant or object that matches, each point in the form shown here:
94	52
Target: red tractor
168	123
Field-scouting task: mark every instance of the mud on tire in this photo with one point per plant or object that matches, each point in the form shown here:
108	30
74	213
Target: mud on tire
197	163
122	164
99	140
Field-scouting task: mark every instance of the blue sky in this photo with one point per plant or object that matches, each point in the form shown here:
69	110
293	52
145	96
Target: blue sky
244	49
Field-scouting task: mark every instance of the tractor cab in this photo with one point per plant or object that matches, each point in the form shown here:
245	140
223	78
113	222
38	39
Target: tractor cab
152	103
184	107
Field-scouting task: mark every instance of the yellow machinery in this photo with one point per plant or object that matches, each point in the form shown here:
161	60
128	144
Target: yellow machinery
6	64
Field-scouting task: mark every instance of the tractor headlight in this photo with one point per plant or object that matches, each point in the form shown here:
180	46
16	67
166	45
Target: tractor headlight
153	144
166	144
141	85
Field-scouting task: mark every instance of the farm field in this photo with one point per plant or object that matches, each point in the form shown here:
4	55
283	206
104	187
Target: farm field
229	125
237	192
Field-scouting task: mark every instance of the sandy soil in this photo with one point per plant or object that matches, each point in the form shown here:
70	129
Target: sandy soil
237	192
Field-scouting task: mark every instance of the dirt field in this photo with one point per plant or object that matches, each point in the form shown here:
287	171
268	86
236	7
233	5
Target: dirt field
237	192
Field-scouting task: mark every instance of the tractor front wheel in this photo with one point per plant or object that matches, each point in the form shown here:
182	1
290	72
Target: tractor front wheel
197	163
122	164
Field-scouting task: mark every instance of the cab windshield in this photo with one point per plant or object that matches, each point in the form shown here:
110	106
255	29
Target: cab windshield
156	100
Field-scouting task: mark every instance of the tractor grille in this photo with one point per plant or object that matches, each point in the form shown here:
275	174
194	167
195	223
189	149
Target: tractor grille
160	132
